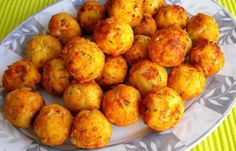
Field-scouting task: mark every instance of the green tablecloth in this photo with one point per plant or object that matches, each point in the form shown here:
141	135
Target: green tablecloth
13	12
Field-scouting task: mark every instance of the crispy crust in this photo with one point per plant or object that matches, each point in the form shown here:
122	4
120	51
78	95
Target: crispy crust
90	129
121	105
79	97
42	48
152	6
207	57
187	81
52	125
169	46
139	50
55	77
147	26
203	27
146	75
21	106
128	11
113	36
114	71
84	59
171	15
63	26
89	14
162	109
23	73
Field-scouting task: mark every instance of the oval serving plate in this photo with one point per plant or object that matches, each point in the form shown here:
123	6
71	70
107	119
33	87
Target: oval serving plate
201	116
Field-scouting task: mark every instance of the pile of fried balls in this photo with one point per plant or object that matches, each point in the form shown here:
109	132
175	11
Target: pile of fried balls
117	76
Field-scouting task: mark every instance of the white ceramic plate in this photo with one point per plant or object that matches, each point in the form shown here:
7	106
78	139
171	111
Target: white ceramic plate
201	115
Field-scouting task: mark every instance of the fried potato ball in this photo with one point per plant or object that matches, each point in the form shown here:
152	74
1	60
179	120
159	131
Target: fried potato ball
139	50
42	48
23	73
90	129
113	36
114	71
187	81
63	26
21	106
162	109
146	75
84	59
79	97
89	14
127	11
147	26
171	15
169	46
202	26
55	77
121	105
152	6
52	125
208	57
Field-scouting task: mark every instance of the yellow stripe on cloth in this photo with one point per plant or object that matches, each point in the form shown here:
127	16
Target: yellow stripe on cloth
224	137
14	12
230	5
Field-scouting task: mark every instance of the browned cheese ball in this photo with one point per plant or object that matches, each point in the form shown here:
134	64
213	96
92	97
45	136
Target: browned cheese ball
202	27
169	46
90	129
147	26
79	97
23	73
152	6
171	15
21	106
128	11
42	48
187	81
139	50
113	36
55	77
89	14
162	109
63	26
114	71
84	59
146	75
207	57
121	105
52	125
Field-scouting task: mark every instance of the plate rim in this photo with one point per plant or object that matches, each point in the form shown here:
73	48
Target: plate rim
221	120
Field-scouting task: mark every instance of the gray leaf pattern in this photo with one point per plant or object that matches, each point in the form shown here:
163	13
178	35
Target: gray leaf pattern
210	93
219	93
153	146
227	27
33	147
17	40
223	88
155	142
144	146
174	1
